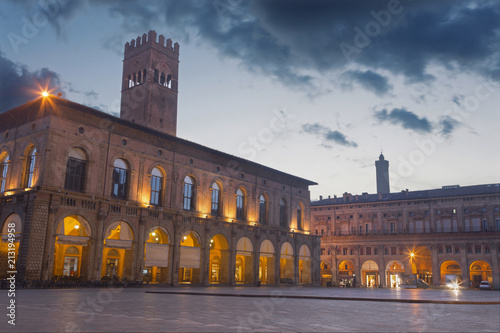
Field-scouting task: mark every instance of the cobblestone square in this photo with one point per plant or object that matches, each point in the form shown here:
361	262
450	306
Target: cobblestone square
237	309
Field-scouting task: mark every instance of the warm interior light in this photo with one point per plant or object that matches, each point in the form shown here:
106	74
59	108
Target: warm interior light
211	241
412	254
77	226
153	234
185	237
157	238
45	93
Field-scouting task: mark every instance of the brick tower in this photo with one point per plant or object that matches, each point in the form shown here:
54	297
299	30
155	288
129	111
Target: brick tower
382	166
149	87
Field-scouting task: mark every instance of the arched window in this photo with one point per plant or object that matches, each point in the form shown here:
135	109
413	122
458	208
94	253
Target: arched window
120	179
169	81
188	195
130	82
240	205
139	77
156	187
144	75
283	221
262	209
30	168
215	199
156	76
299	217
162	79
75	170
4	169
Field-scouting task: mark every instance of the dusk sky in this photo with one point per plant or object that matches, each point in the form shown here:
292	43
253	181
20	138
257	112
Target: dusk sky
313	88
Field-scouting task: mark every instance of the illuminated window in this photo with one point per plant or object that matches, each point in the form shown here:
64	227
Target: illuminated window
120	179
156	187
75	170
299	217
30	167
188	194
4	168
215	199
283	221
240	205
262	210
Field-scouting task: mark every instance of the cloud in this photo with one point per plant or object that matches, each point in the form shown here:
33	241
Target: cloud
405	118
298	41
18	84
369	80
330	136
448	125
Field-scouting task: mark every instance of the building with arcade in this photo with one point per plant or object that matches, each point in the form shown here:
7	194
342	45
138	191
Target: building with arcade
92	195
439	235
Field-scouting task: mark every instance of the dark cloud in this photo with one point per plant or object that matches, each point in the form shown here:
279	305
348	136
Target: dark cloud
329	135
404	118
296	41
18	84
369	80
448	125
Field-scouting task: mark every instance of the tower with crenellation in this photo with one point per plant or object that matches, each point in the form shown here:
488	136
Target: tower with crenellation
150	82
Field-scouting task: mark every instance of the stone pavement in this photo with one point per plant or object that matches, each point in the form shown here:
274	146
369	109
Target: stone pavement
148	310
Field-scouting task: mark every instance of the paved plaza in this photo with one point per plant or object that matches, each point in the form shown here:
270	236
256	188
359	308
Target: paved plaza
240	309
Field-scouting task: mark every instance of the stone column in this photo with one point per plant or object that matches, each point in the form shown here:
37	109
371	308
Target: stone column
176	249
256	264
494	265
296	280
357	266
50	239
464	267
99	244
140	250
436	270
232	257
383	279
205	259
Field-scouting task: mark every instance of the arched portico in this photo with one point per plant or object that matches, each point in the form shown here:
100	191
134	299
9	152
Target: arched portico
394	270
244	261
117	252
190	258
156	255
267	263
219	260
480	270
71	249
287	267
370	275
11	229
304	265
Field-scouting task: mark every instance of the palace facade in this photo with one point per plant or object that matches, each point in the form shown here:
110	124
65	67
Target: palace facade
439	235
91	195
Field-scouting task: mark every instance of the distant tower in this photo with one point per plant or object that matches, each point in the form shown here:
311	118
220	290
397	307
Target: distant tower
382	167
149	88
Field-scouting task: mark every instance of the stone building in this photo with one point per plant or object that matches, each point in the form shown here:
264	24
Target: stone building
91	195
438	236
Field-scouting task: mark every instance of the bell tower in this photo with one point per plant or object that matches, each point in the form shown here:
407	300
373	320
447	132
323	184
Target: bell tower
382	166
149	85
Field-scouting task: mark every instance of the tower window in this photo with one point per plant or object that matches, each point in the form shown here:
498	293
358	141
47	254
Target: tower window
188	195
240	204
215	199
262	210
120	179
75	170
156	76
299	217
283	221
30	168
4	169
156	187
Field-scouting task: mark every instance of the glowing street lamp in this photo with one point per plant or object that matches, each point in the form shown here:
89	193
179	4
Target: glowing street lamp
45	93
